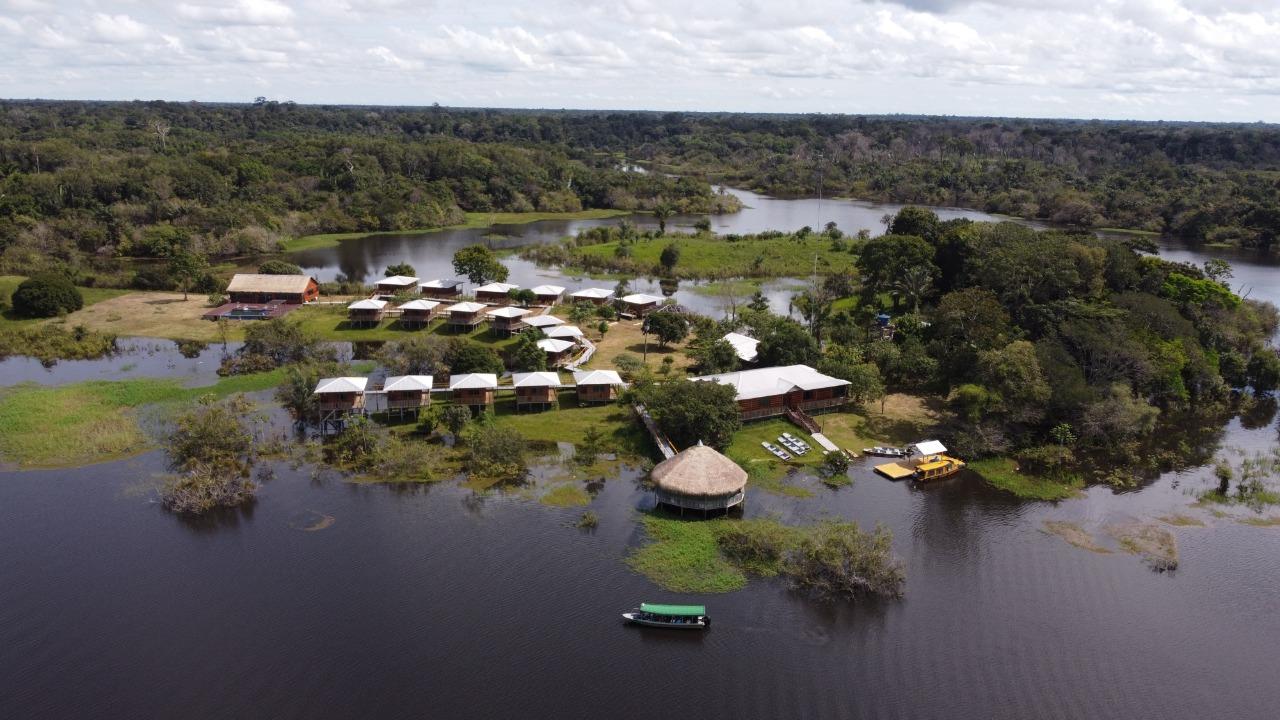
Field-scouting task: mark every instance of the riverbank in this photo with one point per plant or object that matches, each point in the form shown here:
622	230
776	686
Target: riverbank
473	220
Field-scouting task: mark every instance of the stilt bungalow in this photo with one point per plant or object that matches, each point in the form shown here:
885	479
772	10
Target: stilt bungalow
563	332
465	315
407	394
419	313
744	346
441	289
699	478
495	292
535	390
772	391
543	322
557	351
366	312
289	289
336	398
640	304
395	285
474	390
548	294
595	296
506	320
598	386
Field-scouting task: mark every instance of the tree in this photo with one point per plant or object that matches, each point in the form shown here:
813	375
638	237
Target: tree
356	446
278	267
417	354
669	257
523	296
758	302
912	284
403	268
297	392
281	341
972	318
455	417
592	445
689	412
525	355
1264	370
186	268
661	212
916	221
714	357
479	265
464	356
1013	373
668	327
884	260
46	295
497	452
211	448
602	328
785	342
1218	270
847	363
839	561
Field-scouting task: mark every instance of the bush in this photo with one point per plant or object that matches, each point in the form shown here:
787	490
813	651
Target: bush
497	453
689	412
840	561
356	447
835	469
211	446
46	295
153	278
279	267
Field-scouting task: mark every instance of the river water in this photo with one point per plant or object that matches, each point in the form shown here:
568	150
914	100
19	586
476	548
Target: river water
431	601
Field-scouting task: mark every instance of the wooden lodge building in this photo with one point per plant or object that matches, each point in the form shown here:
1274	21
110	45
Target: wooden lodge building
396	284
598	386
543	322
336	399
558	351
772	391
506	320
366	312
465	315
495	292
407	394
595	296
474	390
640	304
419	313
536	390
563	332
548	294
255	288
441	289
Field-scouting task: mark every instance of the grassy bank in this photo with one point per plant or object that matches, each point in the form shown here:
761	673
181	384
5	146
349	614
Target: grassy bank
684	556
94	421
1003	473
154	314
473	220
9	283
622	432
711	256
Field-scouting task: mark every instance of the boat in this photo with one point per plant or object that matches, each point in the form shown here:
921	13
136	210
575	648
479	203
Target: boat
796	440
931	463
886	451
782	454
794	447
677	617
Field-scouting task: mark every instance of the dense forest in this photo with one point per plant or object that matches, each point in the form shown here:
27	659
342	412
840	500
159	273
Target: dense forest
84	181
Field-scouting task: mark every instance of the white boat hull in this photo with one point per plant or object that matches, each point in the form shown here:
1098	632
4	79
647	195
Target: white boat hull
635	618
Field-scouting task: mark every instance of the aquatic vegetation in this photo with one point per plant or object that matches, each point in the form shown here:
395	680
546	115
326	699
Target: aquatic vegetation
1074	535
1178	520
588	521
1157	546
211	450
1004	473
565	495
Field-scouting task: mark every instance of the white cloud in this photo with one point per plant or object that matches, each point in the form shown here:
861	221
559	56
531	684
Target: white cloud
117	28
241	12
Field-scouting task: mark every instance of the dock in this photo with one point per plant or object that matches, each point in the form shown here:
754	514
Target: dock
895	471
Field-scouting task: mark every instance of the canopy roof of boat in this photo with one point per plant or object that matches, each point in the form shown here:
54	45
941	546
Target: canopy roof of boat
677	610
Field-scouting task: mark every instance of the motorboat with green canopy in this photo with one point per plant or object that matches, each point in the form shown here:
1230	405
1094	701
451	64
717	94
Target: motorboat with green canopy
682	617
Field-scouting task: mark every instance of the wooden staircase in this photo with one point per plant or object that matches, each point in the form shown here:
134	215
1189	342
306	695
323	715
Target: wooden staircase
802	421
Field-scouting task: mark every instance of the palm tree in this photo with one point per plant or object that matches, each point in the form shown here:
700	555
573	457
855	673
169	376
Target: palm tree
913	284
662	211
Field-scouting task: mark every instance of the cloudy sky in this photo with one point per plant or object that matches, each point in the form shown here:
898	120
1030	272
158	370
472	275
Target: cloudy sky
1151	59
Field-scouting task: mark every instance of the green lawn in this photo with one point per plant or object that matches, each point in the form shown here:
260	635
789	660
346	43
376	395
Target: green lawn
473	220
683	556
710	256
623	432
1003	473
329	322
94	421
845	429
9	283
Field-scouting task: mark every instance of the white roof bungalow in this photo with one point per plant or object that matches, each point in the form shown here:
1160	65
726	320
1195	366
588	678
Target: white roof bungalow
743	345
475	390
396	283
341	394
555	349
765	392
508	312
598	385
592	295
548	294
329	386
495	291
543	321
407	383
407	393
562	332
367	304
640	303
535	389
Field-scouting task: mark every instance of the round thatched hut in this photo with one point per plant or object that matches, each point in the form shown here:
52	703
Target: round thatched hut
699	478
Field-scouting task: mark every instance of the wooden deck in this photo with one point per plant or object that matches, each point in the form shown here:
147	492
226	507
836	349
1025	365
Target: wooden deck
894	471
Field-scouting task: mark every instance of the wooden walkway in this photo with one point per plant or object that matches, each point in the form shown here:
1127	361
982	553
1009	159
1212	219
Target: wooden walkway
664	445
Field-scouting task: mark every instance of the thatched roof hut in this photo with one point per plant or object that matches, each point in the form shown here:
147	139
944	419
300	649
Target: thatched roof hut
699	478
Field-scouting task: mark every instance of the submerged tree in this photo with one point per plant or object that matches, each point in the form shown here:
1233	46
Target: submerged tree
211	450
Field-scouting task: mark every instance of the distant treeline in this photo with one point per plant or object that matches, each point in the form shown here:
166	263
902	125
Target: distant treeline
150	179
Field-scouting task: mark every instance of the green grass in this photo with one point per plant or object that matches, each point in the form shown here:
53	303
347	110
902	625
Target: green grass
9	283
473	220
566	495
622	431
1003	473
94	421
709	256
329	322
767	472
683	556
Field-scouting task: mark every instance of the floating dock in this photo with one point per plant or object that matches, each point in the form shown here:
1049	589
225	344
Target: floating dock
894	471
